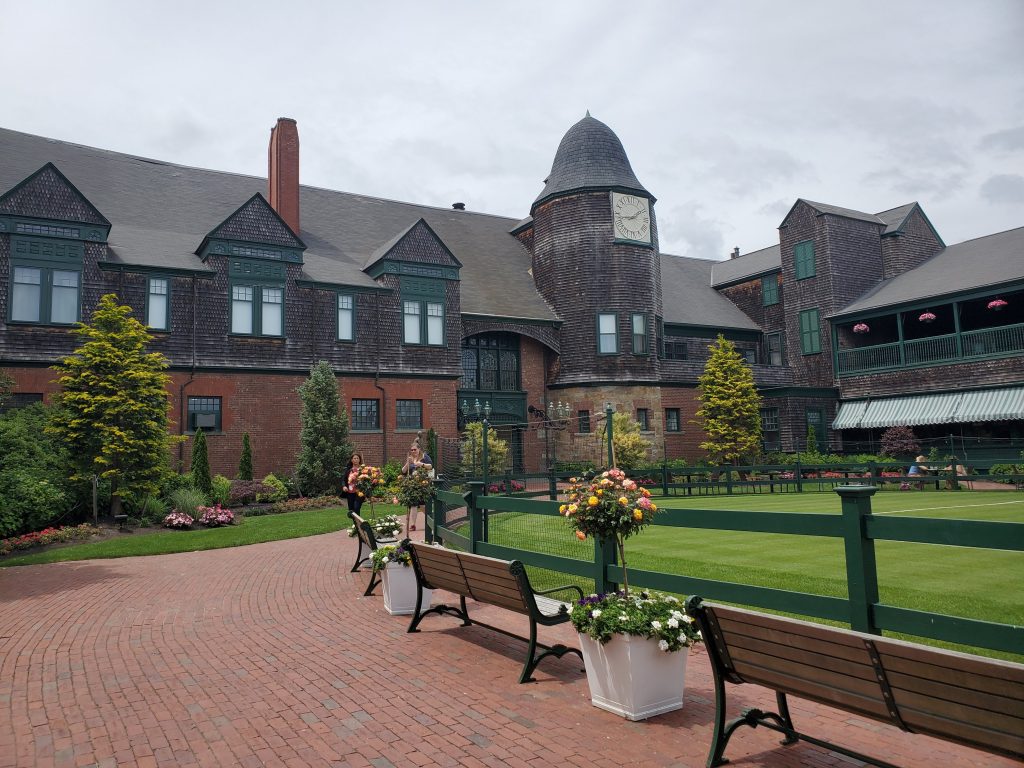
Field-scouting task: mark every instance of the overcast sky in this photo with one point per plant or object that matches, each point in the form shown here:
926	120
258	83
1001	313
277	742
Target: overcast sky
728	111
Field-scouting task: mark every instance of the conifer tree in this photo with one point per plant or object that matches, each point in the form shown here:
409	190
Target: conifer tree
201	478
112	414
245	462
324	447
730	411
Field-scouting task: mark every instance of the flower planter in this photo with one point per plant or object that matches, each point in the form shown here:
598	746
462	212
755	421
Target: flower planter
632	677
400	590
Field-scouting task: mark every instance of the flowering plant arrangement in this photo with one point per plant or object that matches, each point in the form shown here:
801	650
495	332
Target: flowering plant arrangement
179	520
997	304
390	554
861	328
367	481
415	489
644	614
608	506
927	317
514	486
387	527
47	536
215	516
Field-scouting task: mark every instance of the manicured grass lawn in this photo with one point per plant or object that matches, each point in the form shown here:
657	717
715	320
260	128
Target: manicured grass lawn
252	530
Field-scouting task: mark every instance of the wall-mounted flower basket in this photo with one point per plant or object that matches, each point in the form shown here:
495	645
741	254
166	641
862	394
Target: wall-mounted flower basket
996	304
861	328
927	317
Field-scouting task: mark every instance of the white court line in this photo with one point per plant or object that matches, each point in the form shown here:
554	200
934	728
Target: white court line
956	506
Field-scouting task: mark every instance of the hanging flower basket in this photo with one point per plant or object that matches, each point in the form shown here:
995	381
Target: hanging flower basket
927	317
996	304
861	328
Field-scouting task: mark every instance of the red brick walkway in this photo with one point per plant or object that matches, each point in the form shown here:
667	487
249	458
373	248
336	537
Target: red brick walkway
269	655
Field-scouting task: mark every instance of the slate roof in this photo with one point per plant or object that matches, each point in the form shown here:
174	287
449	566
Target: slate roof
161	212
985	262
847	213
690	299
589	156
894	218
746	266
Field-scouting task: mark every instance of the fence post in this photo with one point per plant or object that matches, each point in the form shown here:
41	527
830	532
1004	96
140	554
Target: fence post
728	482
552	484
664	478
604	555
798	474
873	471
434	514
861	573
476	516
508	482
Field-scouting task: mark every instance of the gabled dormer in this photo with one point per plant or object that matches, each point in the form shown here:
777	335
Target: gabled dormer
47	204
254	231
416	250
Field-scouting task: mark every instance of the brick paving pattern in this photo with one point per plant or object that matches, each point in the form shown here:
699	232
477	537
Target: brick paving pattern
268	655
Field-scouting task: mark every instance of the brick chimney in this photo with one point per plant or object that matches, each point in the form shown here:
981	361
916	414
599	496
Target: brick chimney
283	171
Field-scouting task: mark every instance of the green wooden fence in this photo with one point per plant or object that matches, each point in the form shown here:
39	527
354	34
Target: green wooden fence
856	526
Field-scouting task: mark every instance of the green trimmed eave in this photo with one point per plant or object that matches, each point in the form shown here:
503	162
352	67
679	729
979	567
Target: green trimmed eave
212	246
917	207
149	269
93	233
711	332
747	278
321	285
269	207
507	319
304	372
526	224
817	392
413	268
926	303
582	190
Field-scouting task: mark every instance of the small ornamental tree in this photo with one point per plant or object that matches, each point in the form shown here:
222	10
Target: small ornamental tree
730	411
245	462
473	450
324	447
201	463
898	442
631	448
112	408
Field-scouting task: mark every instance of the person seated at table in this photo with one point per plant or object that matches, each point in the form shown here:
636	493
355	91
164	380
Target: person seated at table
960	469
917	469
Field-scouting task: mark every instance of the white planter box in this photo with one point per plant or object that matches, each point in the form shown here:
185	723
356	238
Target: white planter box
400	590
631	677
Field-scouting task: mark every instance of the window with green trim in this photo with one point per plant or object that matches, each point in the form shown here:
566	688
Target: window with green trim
346	317
803	259
770	290
257	310
639	323
814	419
365	415
158	303
810	332
423	322
45	295
773	349
607	334
490	361
643	418
770	428
204	412
583	420
672	421
409	414
675	348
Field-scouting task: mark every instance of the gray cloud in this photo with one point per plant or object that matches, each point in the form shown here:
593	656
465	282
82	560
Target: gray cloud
1010	140
1005	188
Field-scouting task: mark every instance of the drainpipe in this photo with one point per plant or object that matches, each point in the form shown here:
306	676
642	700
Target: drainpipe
181	390
376	383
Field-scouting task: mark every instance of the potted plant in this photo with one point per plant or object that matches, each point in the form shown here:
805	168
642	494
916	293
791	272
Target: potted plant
996	305
927	317
415	490
394	563
631	642
861	328
367	483
385	528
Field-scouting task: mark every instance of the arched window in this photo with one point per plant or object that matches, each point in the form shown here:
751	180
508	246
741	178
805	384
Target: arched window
490	361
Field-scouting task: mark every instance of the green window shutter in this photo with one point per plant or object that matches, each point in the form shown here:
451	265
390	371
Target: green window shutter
810	332
803	257
769	290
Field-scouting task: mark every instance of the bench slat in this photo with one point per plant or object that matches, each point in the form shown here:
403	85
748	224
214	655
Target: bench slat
805	643
968	697
735	621
747	662
953	730
982	718
959	678
861	668
951	660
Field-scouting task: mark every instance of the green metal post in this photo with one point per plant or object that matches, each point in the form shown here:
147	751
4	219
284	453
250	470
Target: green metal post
486	460
798	474
552	485
476	517
434	515
608	432
861	572
664	478
604	555
728	482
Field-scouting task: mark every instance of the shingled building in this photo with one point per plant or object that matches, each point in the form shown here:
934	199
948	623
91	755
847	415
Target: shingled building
853	322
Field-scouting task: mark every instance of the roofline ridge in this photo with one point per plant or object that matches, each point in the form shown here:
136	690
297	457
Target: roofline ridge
981	237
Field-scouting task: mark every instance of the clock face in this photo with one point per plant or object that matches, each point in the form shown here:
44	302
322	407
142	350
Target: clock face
631	217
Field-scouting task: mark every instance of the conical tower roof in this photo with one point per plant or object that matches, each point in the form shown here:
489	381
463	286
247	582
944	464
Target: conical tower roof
590	156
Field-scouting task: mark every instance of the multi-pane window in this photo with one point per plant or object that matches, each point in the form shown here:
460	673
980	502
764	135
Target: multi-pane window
423	322
204	412
810	332
639	323
749	355
583	419
675	349
672	423
773	349
409	414
607	335
346	317
257	310
803	259
158	303
814	419
365	415
491	361
770	428
44	295
643	417
769	290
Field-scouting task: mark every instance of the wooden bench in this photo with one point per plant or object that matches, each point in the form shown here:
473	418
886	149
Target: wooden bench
965	699
368	544
496	582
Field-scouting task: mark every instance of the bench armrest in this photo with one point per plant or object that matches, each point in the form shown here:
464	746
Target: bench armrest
566	588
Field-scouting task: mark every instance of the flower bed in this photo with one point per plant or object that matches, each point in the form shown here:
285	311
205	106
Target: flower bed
48	536
216	516
178	520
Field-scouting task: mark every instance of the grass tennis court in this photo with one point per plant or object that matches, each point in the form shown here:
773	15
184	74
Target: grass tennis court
958	581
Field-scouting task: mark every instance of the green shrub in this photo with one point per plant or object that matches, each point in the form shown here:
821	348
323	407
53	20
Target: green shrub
245	461
152	511
279	490
998	472
28	502
172	481
298	505
390	471
30	457
201	463
221	493
188	500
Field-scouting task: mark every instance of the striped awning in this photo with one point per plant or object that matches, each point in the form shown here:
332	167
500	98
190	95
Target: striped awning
1005	404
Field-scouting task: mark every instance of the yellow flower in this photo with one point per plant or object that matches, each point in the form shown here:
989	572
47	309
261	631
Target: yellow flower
599	492
638	514
572	509
654	507
562	509
623	500
592	501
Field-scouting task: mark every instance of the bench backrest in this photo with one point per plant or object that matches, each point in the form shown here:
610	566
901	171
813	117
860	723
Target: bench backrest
364	531
967	699
485	579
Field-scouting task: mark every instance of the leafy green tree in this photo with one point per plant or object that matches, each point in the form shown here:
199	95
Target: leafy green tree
6	387
201	463
631	448
34	489
324	447
245	462
473	450
730	411
112	409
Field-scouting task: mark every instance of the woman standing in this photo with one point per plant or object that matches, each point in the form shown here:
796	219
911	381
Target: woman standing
416	459
355	501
